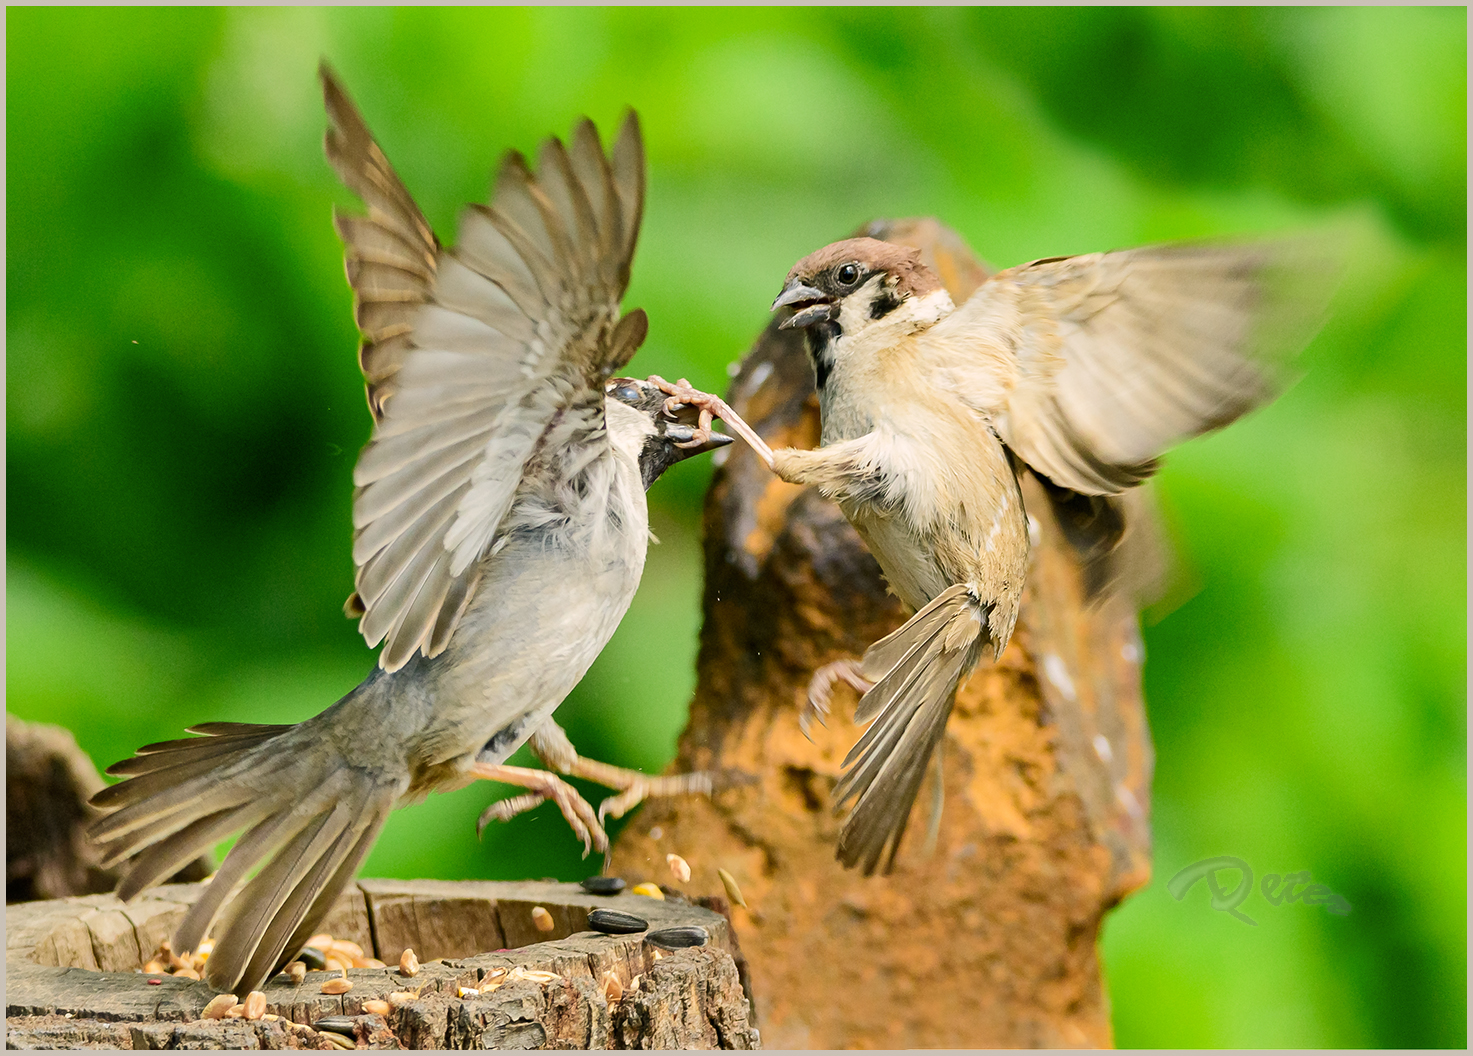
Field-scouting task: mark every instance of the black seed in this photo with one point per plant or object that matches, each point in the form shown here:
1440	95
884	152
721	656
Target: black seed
612	922
602	885
313	958
336	1024
677	938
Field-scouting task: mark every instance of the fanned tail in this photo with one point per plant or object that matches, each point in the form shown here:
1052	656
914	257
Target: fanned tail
916	671
301	803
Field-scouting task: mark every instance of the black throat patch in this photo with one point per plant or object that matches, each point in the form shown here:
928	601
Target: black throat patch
885	302
821	339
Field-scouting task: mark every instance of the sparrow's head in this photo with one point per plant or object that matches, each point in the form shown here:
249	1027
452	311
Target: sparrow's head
852	286
652	431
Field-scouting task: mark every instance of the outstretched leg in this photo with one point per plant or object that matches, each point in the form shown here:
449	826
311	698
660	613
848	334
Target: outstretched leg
544	786
821	689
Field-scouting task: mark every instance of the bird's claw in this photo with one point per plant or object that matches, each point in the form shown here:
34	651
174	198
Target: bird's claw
821	691
682	394
577	812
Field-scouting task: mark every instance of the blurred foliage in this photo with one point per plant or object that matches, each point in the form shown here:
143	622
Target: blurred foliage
183	403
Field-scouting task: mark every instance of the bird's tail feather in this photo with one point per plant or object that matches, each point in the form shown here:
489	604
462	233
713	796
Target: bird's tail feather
300	802
916	671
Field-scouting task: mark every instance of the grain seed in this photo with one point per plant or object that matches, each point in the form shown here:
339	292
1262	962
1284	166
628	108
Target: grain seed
612	922
154	968
236	1011
376	1008
679	868
408	963
612	988
649	891
532	976
255	1005
337	964
336	986
732	891
401	997
321	941
186	973
337	1041
296	971
467	991
218	1006
542	918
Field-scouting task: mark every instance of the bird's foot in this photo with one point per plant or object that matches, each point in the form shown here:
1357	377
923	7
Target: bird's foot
710	406
543	785
821	690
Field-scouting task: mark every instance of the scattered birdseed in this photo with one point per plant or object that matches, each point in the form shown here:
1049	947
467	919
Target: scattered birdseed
313	958
542	918
532	976
155	982
334	1025
376	1008
612	922
186	973
602	885
732	891
336	986
236	1011
154	968
678	868
612	988
401	997
218	1006
255	1005
467	991
408	962
649	891
337	1041
296	971
678	938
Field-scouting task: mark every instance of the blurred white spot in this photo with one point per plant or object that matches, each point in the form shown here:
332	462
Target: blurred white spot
1035	536
1128	801
761	374
1102	748
1131	651
656	833
733	368
720	455
1058	674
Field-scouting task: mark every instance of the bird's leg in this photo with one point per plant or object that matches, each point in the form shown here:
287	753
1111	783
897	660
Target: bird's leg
710	405
544	786
821	689
551	745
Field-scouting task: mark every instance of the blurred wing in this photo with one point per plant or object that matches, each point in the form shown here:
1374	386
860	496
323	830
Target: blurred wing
1090	367
471	354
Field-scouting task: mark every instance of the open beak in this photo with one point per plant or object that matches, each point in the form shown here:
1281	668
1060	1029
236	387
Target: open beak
812	306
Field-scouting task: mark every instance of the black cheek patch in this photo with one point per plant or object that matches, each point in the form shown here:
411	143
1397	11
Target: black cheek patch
887	301
655	457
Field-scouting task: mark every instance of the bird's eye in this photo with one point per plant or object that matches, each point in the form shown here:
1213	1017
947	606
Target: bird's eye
626	394
848	274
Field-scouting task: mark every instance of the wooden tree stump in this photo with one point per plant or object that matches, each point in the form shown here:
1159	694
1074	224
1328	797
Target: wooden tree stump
990	938
71	979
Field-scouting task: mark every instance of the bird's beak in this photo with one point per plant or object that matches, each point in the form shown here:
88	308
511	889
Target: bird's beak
813	306
683	430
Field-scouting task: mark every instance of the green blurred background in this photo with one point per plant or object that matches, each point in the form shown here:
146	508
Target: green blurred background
184	408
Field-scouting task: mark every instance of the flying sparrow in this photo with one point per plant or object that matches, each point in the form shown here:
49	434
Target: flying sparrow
500	533
1083	369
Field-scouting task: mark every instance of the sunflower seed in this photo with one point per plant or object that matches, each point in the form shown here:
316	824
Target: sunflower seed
335	1025
678	938
602	885
313	958
612	922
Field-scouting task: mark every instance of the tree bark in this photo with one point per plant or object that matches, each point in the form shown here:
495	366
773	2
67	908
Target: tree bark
989	938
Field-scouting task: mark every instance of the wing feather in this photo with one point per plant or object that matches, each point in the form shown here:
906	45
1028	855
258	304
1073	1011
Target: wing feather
1090	367
472	355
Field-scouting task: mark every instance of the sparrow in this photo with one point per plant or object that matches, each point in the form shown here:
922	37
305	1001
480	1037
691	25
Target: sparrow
500	530
1083	370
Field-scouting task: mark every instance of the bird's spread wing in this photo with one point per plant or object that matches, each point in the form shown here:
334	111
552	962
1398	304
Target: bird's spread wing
472	354
1090	367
